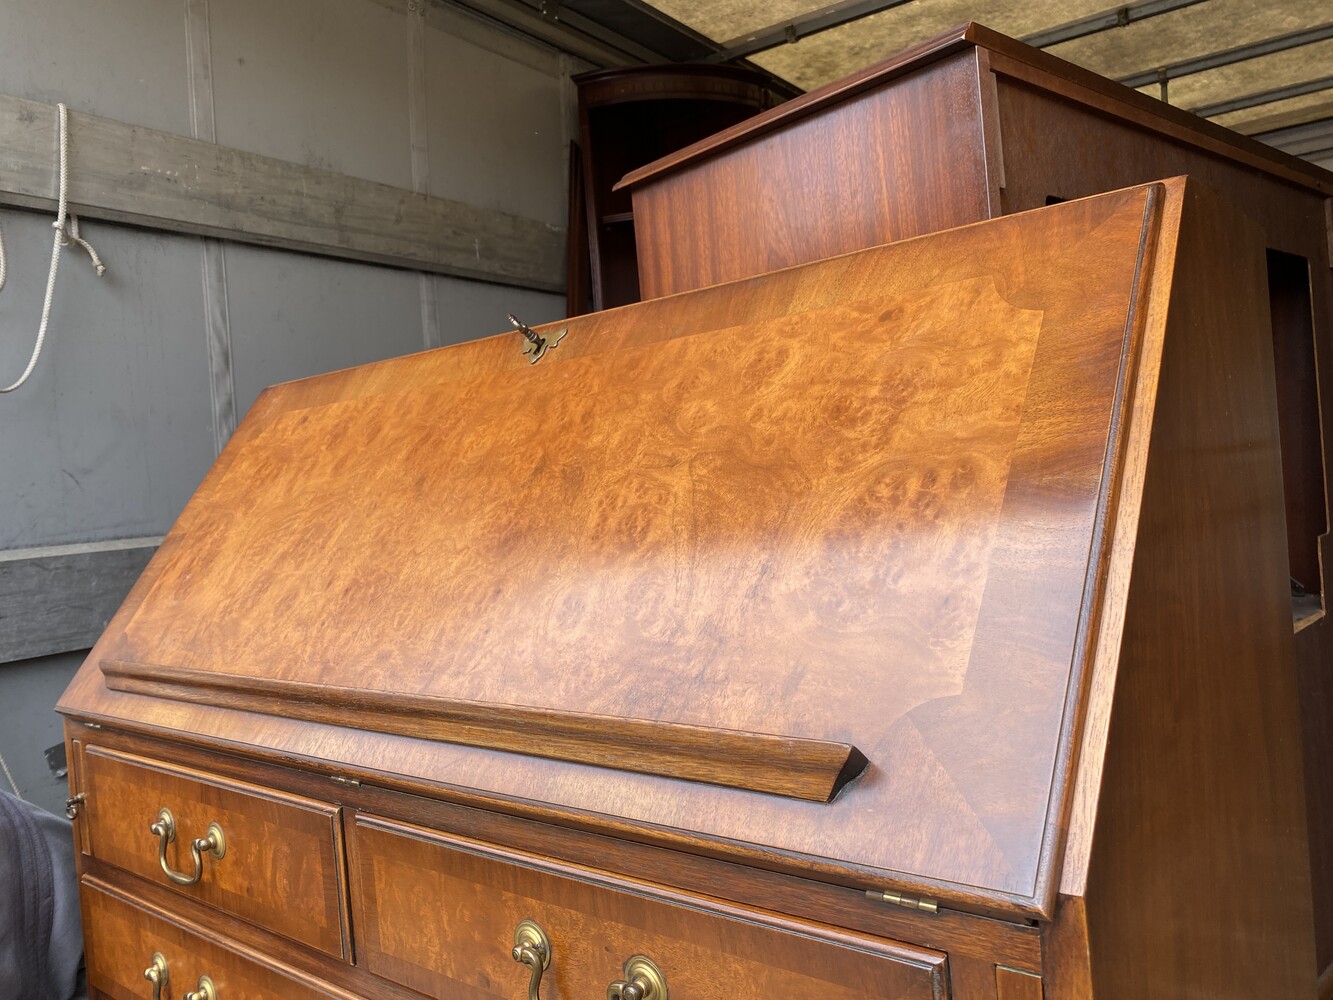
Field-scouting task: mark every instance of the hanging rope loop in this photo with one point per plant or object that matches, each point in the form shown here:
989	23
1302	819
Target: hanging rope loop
64	235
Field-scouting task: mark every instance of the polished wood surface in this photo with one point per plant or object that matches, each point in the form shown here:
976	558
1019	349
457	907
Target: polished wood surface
810	769
1046	140
1197	752
629	116
123	938
1047	131
785	199
1011	984
1045	388
278	847
974	944
438	913
1167	120
886	462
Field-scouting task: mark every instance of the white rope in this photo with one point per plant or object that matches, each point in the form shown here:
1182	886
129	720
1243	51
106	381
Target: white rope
10	775
62	238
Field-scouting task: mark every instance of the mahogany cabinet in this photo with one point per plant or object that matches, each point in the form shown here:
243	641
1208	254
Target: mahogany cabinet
629	116
972	126
900	626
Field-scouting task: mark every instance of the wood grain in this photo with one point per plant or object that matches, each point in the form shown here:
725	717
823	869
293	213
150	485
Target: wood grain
629	116
783	198
784	115
438	915
122	938
1011	984
1049	131
970	940
929	813
279	847
1175	123
135	175
1201	790
1124	730
1065	151
805	769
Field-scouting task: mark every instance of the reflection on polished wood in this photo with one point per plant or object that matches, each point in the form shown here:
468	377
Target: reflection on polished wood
813	524
973	125
931	500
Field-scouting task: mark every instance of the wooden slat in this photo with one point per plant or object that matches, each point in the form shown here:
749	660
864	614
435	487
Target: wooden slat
127	173
780	765
57	599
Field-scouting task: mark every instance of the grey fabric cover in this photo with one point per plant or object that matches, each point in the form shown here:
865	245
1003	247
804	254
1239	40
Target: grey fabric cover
41	938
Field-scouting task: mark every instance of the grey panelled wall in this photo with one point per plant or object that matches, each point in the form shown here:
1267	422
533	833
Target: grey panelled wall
28	689
146	371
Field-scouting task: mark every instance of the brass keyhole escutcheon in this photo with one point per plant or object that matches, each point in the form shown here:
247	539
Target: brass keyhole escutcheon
537	345
532	948
643	981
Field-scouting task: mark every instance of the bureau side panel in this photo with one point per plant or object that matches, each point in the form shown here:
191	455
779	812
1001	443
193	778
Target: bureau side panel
1058	145
900	160
1198	882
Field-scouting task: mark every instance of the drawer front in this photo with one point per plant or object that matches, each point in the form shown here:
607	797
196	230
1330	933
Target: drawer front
438	914
282	865
121	940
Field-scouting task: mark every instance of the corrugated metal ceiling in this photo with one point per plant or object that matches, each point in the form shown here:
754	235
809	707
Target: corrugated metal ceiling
1276	83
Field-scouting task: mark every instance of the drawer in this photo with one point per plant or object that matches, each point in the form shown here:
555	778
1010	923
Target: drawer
438	914
282	867
122	939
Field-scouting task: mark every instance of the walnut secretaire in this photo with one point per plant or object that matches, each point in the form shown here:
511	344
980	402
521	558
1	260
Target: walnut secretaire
900	625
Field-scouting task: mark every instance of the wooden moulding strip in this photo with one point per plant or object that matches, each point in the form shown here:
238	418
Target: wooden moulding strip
143	177
814	770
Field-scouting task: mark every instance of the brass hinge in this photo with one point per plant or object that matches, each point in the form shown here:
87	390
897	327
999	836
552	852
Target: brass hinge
354	782
907	902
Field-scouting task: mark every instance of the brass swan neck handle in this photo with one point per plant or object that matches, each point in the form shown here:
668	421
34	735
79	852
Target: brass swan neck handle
215	843
157	974
643	981
532	948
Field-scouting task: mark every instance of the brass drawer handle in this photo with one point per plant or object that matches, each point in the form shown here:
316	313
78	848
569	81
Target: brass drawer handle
532	948
643	981
157	975
165	829
206	991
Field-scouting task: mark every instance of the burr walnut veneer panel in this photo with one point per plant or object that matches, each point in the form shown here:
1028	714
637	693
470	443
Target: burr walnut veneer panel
695	556
591	641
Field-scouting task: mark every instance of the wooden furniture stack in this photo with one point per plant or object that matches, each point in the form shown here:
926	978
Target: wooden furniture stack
974	125
913	623
630	116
